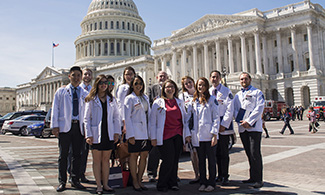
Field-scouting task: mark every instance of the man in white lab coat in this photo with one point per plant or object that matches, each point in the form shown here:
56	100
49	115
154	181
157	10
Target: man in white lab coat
66	122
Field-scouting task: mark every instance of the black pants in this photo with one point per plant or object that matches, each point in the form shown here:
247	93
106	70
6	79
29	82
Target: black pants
287	124
223	156
153	161
170	152
252	145
205	150
73	138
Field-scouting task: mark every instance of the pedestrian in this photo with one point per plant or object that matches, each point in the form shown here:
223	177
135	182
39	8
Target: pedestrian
188	89
206	125
264	126
248	110
286	119
136	112
224	98
169	129
67	120
154	92
312	120
102	123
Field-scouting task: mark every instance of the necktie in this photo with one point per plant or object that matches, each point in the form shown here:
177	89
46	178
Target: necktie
75	109
215	91
86	88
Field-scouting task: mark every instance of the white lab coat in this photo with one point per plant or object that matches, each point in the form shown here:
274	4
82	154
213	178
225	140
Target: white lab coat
62	109
225	108
158	117
136	123
121	93
252	101
206	121
93	119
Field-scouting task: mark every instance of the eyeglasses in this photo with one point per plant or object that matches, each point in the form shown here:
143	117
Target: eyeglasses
102	83
110	83
170	87
136	83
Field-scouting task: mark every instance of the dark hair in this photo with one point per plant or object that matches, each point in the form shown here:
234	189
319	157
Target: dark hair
163	94
94	90
206	95
183	82
110	77
249	76
75	68
131	89
217	71
130	69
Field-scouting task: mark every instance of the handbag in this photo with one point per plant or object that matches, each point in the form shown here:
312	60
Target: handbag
122	149
115	179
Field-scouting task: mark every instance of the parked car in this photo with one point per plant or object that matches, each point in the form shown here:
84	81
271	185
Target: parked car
13	115
47	122
36	129
19	125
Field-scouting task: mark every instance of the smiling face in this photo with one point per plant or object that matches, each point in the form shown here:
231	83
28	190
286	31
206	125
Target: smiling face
245	80
102	85
215	79
110	85
137	86
86	76
189	84
169	90
75	78
161	77
128	76
201	88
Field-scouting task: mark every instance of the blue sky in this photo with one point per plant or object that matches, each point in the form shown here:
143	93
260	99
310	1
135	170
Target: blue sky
28	28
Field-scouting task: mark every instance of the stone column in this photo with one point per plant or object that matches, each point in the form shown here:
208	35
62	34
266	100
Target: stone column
102	47
251	56
258	52
310	46
163	63
279	46
183	67
206	60
156	65
265	59
218	55
238	62
243	52
129	47
195	72
135	48
174	65
294	47
231	55
140	48
88	49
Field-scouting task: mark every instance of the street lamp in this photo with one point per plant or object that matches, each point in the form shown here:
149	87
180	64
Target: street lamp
224	75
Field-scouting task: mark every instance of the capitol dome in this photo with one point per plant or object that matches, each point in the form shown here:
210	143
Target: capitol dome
112	30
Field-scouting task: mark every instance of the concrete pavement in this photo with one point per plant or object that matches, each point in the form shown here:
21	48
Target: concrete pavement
293	164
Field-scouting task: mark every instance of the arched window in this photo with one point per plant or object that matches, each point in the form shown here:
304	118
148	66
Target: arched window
132	27
112	49
106	25
100	26
123	25
137	28
112	25
128	25
95	26
91	27
117	25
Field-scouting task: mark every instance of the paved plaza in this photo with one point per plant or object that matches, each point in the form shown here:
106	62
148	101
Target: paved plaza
293	164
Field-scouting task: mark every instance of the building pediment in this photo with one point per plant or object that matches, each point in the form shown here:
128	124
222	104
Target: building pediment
49	72
212	22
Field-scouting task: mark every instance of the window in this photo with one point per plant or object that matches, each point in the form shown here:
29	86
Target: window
132	27
100	26
261	45
118	48
290	40
128	25
123	25
305	37
112	25
112	48
7	98
106	25
91	27
275	43
137	29
105	48
13	98
95	26
0	98
117	25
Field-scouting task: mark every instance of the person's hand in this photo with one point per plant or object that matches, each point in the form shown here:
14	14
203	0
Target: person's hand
188	139
124	129
90	140
132	140
245	124
214	140
154	142
56	131
222	128
116	137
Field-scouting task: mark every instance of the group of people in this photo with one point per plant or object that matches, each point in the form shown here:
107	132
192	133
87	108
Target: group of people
157	126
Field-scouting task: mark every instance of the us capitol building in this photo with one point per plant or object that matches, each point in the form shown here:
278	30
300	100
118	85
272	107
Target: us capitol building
283	50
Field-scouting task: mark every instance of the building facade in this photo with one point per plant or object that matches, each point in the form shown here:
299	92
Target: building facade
283	50
7	100
112	38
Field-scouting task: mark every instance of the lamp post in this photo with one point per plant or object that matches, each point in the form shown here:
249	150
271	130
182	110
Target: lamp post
224	75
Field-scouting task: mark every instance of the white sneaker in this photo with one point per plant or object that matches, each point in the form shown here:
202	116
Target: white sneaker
209	189
202	188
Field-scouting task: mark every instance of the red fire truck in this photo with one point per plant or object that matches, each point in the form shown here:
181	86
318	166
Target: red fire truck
318	104
272	109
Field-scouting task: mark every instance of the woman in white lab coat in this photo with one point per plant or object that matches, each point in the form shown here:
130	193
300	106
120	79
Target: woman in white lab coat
206	123
102	123
168	126
136	112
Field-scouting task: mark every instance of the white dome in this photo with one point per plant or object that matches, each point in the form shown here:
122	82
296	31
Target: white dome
112	30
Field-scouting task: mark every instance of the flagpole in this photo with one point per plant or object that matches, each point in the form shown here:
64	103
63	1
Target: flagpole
52	55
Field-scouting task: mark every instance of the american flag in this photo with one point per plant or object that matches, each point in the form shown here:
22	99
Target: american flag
55	45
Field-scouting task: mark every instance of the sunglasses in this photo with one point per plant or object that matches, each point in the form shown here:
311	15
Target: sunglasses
110	83
136	83
102	82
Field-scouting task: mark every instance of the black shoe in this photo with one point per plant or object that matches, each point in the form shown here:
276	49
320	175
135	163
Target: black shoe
248	181
292	133
194	181
175	188
219	179
162	189
83	179
267	136
137	189
281	132
78	185
60	188
225	181
144	188
257	184
178	179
